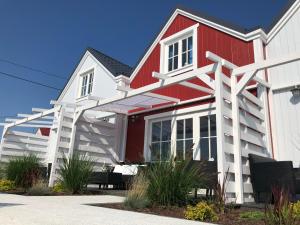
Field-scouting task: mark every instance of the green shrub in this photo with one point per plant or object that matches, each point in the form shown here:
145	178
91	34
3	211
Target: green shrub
201	212
252	215
75	172
7	185
39	189
137	195
170	182
58	187
296	209
24	171
2	171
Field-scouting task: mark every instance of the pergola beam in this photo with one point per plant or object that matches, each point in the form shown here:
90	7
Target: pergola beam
28	115
34	116
265	64
152	87
28	125
244	81
149	94
34	121
185	83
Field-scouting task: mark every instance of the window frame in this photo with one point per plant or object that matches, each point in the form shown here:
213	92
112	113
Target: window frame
89	86
194	112
209	135
184	138
178	37
160	141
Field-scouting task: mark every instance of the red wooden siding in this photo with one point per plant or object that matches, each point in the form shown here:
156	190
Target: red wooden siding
235	50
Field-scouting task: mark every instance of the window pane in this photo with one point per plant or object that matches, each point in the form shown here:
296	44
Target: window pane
213	146
203	126
170	64
183	59
179	150
190	57
171	51
190	43
166	130
165	151
176	49
213	126
184	45
175	62
179	129
155	152
189	148
156	131
204	148
189	128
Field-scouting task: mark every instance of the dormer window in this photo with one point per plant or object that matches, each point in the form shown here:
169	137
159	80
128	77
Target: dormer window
86	84
178	52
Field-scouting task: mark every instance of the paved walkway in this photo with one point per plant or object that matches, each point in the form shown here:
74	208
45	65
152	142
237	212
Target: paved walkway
71	210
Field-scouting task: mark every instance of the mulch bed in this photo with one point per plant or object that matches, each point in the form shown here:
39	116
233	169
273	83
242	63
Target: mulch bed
230	218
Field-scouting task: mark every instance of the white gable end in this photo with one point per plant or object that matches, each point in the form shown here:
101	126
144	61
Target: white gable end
104	84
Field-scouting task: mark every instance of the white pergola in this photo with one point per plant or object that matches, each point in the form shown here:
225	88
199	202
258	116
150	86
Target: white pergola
144	98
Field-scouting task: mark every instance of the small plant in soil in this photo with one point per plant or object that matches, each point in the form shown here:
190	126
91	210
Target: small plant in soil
281	213
252	215
75	172
137	195
24	171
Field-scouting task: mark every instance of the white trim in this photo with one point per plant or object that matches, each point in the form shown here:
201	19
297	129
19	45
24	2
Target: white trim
284	19
179	112
178	37
283	87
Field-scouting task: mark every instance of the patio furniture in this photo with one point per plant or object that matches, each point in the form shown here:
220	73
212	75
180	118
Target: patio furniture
210	171
267	173
105	179
128	172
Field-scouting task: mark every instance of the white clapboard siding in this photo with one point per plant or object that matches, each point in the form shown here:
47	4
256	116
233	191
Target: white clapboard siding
17	144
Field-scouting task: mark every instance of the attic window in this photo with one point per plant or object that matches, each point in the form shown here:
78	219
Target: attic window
178	52
86	84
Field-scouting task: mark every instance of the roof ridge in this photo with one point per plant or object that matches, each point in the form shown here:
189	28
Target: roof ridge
99	52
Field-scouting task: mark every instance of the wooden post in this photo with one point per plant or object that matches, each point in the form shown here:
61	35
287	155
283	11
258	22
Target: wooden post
220	122
236	132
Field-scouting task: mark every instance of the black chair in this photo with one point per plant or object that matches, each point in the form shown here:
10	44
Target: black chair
104	179
267	173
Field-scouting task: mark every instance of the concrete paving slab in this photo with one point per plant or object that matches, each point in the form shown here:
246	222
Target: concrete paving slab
72	210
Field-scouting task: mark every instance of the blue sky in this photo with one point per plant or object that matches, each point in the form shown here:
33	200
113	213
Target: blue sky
52	35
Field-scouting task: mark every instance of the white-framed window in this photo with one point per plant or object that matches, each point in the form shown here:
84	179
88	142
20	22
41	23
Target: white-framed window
181	133
184	138
86	86
208	137
179	52
160	140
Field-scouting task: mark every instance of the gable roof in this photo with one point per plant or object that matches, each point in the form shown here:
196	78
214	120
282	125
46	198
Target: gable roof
114	66
219	24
